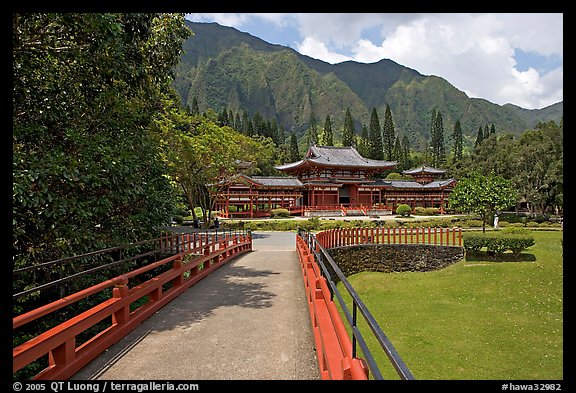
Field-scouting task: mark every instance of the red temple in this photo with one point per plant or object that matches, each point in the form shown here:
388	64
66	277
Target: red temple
332	180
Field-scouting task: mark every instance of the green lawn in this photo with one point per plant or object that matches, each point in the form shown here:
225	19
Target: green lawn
477	319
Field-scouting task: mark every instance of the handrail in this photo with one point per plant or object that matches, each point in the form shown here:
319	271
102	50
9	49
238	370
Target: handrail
323	258
66	357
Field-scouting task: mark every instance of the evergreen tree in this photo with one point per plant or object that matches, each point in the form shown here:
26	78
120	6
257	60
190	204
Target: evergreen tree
246	126
258	124
438	147
457	138
492	129
396	151
479	137
312	136
375	137
327	135
405	162
349	132
388	134
281	134
363	142
195	109
223	118
294	153
486	131
237	122
274	133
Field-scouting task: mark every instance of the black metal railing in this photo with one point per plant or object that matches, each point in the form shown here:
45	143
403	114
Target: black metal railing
329	269
168	244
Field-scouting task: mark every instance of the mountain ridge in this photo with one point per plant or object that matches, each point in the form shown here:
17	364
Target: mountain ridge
226	68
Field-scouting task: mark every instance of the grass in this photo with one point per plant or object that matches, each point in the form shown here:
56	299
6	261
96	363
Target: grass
475	320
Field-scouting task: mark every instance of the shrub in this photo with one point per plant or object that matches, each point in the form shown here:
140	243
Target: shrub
498	243
280	213
403	210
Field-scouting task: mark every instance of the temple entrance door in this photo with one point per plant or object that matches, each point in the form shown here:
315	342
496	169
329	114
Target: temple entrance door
344	194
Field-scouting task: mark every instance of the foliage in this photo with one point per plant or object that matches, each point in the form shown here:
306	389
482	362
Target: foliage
327	134
497	243
426	211
458	141
349	132
388	134
403	210
482	195
375	137
87	172
279	213
202	156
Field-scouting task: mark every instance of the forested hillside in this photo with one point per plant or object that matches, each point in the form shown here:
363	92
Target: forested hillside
223	68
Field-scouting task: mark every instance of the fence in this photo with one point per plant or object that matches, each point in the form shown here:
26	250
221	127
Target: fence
196	257
355	236
337	353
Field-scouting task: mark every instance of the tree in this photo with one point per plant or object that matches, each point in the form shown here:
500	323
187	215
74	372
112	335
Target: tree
538	170
388	134
349	131
312	135
483	195
397	150
327	135
375	137
405	162
364	142
87	172
294	153
204	156
437	142
457	138
195	109
479	137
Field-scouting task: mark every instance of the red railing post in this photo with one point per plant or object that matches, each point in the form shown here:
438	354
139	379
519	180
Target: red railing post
122	316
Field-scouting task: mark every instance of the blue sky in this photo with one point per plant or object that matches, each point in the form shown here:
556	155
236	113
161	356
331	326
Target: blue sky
504	58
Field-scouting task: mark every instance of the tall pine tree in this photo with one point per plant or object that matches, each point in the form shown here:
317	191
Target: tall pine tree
405	162
294	153
438	147
375	137
363	142
479	137
388	134
349	131
457	138
312	137
327	135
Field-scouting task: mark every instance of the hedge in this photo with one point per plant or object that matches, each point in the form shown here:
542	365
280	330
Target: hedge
497	243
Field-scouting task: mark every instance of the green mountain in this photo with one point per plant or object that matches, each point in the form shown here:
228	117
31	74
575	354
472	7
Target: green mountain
225	68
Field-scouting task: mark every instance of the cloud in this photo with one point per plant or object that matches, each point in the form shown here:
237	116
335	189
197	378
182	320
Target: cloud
318	50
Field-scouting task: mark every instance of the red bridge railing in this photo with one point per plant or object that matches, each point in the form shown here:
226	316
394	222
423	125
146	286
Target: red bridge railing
355	236
195	259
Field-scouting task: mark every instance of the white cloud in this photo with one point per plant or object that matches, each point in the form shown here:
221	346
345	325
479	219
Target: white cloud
314	48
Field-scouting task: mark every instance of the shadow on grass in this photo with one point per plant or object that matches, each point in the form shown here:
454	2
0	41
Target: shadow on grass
483	256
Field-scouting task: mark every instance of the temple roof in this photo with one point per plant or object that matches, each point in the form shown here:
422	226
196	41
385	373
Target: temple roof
264	181
424	169
277	181
413	184
336	157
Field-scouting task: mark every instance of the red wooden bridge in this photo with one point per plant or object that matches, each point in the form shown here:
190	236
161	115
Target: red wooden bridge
253	318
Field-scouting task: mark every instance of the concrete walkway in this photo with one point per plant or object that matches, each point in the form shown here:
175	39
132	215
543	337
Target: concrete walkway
247	320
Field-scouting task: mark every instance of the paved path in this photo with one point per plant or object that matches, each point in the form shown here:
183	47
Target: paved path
247	320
